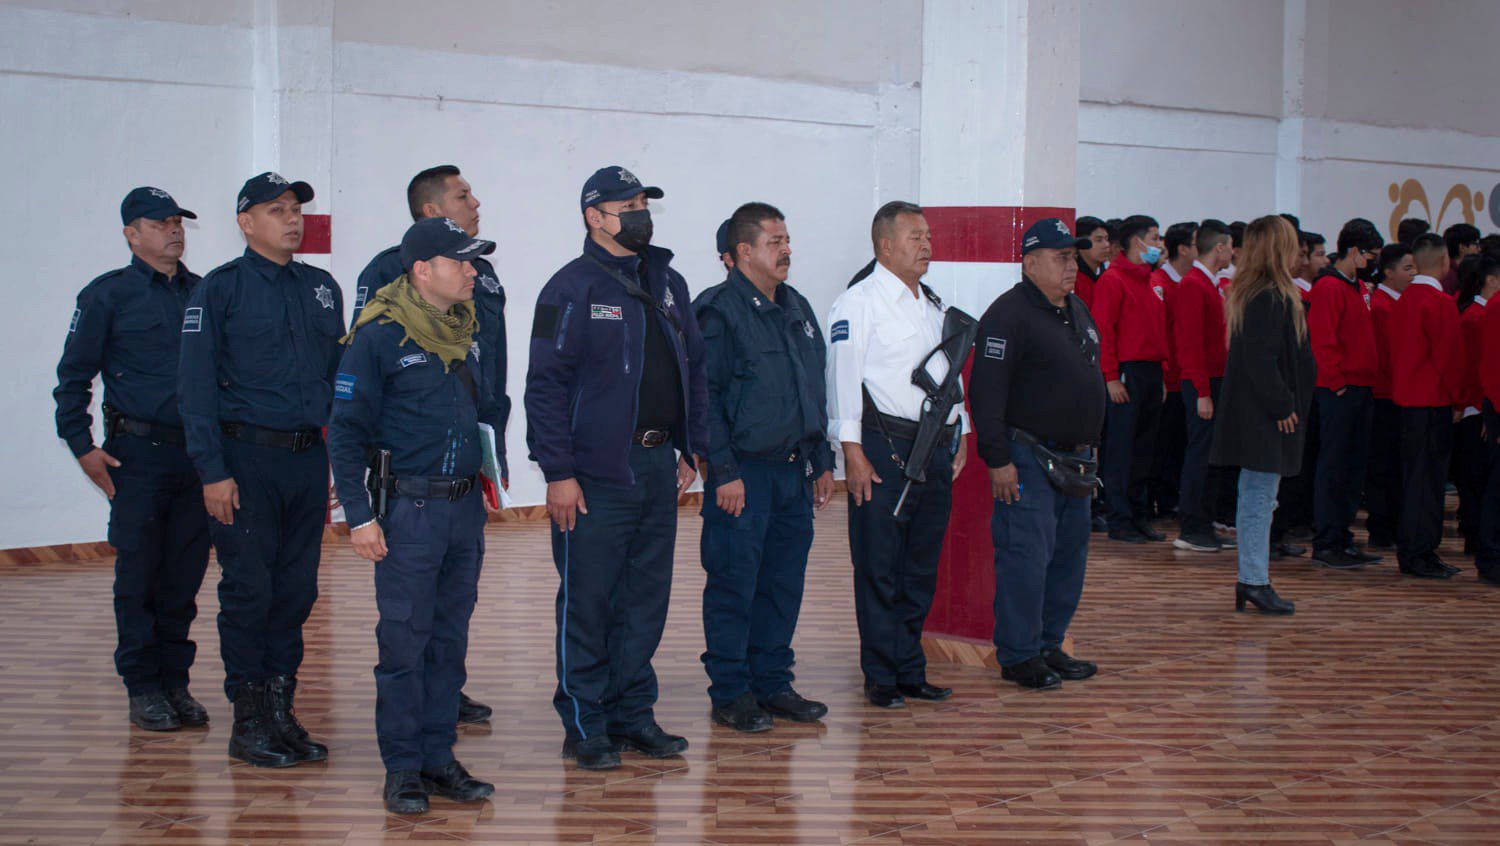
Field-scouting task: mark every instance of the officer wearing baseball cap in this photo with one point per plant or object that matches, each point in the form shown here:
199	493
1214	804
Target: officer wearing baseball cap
1038	401
616	413
721	244
125	328
260	347
407	386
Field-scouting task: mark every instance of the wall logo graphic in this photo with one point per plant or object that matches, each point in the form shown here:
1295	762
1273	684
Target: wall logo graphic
1461	203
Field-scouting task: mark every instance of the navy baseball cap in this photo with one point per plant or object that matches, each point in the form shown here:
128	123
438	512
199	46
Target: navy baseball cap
614	183
440	236
721	238
152	203
268	186
1049	233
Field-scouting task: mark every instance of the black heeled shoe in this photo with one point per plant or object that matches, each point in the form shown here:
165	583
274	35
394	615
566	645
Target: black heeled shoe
1263	597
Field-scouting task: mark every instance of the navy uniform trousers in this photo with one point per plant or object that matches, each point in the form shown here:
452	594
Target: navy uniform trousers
1131	446
896	560
1487	543
755	565
159	530
1343	454
425	589
615	580
1041	545
1426	440
269	559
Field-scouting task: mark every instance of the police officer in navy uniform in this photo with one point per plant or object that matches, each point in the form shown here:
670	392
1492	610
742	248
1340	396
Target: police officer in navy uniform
438	192
880	330
769	463
126	328
406	385
1036	386
616	401
260	347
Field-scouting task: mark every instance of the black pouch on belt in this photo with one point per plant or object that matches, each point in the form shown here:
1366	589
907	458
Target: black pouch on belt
1070	475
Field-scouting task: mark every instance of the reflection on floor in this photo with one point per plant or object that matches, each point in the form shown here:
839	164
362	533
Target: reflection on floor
1373	715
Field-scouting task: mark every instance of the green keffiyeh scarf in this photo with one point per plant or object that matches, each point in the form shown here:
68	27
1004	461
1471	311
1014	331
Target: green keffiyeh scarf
446	335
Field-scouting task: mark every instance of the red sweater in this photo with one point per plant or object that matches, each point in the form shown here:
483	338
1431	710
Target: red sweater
1426	343
1472	321
1196	312
1381	304
1131	316
1171	369
1343	338
1489	376
1085	286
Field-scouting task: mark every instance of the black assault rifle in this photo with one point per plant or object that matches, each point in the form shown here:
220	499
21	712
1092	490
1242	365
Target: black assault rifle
959	332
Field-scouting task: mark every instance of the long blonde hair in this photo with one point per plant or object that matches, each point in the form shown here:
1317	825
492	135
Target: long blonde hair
1265	263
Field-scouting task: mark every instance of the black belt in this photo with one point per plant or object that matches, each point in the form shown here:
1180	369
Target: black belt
296	441
775	457
155	432
451	488
650	438
906	430
1029	439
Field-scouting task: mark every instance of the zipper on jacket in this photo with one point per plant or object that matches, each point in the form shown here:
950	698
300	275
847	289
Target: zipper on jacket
562	333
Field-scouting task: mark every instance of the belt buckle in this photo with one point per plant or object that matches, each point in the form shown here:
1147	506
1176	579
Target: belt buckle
459	488
302	440
652	438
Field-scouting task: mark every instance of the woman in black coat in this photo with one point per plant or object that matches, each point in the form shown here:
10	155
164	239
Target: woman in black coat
1266	394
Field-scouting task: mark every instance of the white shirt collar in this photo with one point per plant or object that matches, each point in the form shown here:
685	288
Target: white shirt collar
891	285
1478	300
1302	283
1204	269
1389	291
1427	280
1171	271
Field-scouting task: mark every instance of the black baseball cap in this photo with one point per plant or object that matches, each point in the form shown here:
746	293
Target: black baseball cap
1049	233
721	238
266	187
440	236
151	203
614	183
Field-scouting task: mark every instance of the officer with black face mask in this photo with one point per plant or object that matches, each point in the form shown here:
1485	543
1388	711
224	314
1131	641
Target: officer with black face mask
616	413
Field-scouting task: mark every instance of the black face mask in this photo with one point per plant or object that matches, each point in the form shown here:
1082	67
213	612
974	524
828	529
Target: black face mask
635	230
1368	273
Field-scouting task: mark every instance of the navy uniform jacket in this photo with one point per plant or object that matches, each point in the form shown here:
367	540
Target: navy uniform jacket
765	376
260	345
588	342
489	305
126	326
395	396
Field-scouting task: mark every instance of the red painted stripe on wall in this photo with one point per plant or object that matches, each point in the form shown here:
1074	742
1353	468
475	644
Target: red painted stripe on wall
317	234
984	233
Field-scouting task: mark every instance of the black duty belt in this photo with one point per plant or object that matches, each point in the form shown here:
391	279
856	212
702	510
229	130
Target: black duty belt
775	457
1029	439
906	430
155	432
650	438
451	488
296	441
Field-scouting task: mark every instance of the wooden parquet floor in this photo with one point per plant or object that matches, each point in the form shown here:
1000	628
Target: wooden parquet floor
1372	716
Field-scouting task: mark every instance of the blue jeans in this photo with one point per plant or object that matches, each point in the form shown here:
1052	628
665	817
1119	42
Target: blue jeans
1253	525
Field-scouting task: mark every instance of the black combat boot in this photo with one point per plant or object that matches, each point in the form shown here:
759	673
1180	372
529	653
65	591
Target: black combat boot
279	692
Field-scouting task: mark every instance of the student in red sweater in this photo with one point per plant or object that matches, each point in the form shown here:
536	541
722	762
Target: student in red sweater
1478	281
1343	343
1487	552
1131	317
1091	259
1171	437
1426	382
1196	313
1462	240
1383	477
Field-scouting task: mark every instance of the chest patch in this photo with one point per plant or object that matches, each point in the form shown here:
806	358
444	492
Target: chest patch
668	300
324	295
1093	336
192	320
994	348
605	312
414	358
1161	293
839	331
343	386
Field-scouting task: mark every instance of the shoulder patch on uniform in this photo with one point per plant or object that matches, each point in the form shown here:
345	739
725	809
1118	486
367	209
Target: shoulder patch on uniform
192	319
343	386
994	348
544	324
409	360
605	312
839	331
360	294
73	324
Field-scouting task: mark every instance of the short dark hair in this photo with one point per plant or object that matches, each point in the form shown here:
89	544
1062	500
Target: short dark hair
1410	229
1490	244
1086	225
1428	243
1134	227
885	218
745	223
1178	236
1211	233
1295	221
1391	255
1113	225
427	187
1313	239
1359	234
1237	233
1458	236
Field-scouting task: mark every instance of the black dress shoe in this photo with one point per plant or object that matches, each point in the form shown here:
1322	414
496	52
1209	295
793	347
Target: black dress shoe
1360	555
1127	534
595	753
1443	565
1149	533
1033	673
790	704
1489	578
884	695
1068	667
471	711
925	692
1291	550
1098	524
1263	597
404	793
152	712
1423	568
651	742
744	714
190	712
1336	559
454	782
279	694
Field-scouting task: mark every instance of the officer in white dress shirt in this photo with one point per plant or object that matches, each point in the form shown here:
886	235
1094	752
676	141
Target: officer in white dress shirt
880	330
